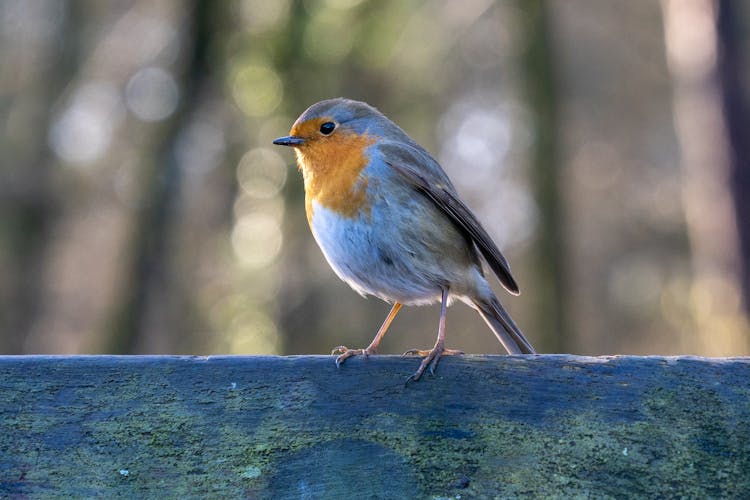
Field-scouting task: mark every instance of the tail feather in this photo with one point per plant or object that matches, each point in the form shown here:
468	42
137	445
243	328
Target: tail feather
503	326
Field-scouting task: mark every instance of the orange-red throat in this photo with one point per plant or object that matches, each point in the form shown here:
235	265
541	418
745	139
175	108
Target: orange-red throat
332	167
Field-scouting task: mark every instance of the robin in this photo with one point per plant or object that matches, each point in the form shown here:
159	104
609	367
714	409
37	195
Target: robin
391	224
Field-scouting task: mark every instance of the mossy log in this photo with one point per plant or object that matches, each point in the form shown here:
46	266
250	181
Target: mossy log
298	427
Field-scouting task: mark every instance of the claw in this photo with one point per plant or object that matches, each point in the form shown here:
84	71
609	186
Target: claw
339	361
430	360
347	353
423	352
416	352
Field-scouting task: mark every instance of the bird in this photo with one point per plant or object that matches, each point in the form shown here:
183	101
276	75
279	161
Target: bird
391	224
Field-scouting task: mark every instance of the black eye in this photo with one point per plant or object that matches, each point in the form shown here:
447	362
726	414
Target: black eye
327	128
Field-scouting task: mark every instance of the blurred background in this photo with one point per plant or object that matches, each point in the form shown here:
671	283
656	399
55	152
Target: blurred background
604	144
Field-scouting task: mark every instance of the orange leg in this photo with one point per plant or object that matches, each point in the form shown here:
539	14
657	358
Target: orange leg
433	356
373	347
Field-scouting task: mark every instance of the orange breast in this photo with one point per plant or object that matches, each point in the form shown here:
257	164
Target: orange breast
331	167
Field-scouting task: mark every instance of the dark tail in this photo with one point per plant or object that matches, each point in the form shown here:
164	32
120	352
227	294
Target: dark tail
503	326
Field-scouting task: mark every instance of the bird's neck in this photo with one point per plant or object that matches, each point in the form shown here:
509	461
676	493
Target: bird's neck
332	169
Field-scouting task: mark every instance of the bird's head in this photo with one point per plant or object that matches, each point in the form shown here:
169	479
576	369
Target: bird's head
333	135
332	120
331	140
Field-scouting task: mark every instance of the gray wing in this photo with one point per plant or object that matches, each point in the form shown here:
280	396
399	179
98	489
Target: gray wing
402	159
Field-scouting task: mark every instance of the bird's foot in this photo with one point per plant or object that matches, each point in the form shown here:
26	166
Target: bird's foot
425	352
430	360
345	353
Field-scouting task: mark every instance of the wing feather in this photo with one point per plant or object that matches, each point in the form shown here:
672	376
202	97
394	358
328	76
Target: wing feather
443	194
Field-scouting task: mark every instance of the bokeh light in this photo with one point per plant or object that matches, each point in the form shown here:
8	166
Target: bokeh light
201	147
256	89
260	15
82	132
262	173
329	36
252	332
152	94
256	239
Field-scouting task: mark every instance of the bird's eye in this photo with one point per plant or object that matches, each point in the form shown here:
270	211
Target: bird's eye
327	128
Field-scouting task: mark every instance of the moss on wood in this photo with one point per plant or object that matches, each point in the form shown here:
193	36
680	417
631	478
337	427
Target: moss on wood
273	427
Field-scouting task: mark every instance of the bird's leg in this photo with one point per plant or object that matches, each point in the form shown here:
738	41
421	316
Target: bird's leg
433	356
346	353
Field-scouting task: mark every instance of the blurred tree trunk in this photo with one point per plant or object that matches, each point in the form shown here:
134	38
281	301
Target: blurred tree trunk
28	198
737	119
144	297
540	86
702	56
295	317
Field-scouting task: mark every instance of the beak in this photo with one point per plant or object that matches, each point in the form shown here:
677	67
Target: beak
289	140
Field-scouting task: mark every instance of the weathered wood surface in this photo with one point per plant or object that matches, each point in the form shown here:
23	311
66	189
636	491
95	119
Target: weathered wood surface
297	427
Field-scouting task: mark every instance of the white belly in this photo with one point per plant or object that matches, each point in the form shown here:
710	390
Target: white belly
371	260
